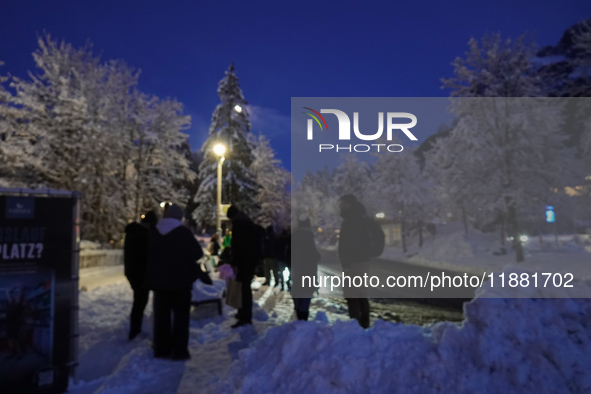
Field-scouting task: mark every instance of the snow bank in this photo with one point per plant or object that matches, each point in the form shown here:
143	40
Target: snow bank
477	252
503	346
452	249
452	242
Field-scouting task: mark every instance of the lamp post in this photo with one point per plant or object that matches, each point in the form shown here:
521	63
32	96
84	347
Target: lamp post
219	149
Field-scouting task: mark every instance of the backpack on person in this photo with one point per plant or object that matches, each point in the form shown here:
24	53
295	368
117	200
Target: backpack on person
376	239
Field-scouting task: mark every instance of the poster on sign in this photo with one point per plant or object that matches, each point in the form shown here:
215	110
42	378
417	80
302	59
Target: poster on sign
38	283
26	324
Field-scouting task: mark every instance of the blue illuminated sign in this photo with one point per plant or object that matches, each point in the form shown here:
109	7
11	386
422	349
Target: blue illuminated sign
550	217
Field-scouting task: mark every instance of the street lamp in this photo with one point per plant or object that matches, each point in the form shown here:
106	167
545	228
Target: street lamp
219	149
237	108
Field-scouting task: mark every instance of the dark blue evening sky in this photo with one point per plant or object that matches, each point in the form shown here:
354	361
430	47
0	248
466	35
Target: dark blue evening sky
282	49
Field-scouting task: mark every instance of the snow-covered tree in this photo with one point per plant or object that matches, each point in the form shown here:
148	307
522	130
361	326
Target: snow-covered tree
80	124
505	151
404	192
495	68
230	126
273	195
352	176
314	197
160	166
565	68
63	113
13	149
583	46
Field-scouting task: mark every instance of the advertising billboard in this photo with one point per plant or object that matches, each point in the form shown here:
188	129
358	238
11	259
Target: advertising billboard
38	289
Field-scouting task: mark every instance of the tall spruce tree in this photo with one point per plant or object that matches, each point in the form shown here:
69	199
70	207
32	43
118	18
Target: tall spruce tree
230	126
273	195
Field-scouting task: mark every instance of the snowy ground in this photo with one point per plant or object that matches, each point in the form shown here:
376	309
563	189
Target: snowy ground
111	364
474	252
503	346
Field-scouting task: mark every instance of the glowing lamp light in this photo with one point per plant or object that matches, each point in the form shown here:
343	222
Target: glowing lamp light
319	230
162	204
219	149
523	238
238	108
380	215
143	216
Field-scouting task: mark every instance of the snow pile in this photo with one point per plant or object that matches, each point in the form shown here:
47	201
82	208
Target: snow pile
452	242
138	372
452	249
202	292
505	345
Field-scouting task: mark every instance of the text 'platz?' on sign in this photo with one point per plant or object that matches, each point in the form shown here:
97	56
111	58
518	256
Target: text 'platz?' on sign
344	133
21	243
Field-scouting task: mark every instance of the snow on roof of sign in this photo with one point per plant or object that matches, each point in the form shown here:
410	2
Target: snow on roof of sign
39	192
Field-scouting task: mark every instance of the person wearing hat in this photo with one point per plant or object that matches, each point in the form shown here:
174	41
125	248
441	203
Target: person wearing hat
172	269
135	258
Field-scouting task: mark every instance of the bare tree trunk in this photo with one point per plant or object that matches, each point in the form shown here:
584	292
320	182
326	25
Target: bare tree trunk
403	235
138	185
464	219
420	233
503	236
137	198
514	228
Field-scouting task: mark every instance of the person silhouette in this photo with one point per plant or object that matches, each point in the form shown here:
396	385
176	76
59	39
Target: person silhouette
306	258
353	255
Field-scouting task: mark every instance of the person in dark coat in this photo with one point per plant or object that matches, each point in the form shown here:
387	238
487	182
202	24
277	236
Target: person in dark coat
172	269
306	258
245	254
135	257
353	254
